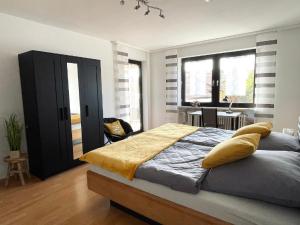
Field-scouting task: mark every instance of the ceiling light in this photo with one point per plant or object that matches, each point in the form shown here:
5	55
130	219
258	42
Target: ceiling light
147	12
146	3
137	6
161	14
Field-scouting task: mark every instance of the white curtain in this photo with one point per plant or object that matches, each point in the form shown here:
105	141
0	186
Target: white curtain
121	82
171	81
265	76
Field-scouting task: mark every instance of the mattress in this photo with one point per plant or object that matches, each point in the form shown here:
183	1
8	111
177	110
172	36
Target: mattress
228	208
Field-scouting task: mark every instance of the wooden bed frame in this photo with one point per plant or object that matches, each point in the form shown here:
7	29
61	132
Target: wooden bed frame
148	205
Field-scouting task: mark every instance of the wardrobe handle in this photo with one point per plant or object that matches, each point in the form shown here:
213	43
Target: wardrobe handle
61	113
66	113
86	110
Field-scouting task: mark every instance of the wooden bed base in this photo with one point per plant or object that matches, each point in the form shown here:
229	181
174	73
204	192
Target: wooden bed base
148	205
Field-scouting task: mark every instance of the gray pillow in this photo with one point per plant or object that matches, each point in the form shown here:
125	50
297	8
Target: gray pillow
270	176
279	141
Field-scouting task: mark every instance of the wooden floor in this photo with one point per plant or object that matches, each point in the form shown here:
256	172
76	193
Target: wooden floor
62	199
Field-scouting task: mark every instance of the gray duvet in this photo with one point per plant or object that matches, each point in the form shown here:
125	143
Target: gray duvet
208	136
271	176
177	167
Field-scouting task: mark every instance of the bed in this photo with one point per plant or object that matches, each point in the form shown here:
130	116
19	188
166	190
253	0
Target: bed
179	204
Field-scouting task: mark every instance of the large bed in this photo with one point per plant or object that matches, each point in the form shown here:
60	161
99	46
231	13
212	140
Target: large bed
217	208
183	204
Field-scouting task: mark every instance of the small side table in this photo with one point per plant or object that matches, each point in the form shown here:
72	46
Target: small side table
17	166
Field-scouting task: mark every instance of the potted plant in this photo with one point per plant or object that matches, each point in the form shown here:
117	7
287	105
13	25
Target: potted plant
14	135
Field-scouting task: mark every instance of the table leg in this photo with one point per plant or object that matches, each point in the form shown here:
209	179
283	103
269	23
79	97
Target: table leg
20	172
27	169
192	120
8	175
237	122
234	124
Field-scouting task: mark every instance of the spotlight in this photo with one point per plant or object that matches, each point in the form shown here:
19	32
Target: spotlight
147	12
146	3
161	14
137	6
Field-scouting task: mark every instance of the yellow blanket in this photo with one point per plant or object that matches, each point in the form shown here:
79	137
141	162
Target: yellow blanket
124	157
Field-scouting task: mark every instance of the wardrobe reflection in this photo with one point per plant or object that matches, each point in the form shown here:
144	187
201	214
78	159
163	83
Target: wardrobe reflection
74	99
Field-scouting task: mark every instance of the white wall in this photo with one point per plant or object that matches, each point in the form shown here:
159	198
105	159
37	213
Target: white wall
20	35
218	46
158	76
287	92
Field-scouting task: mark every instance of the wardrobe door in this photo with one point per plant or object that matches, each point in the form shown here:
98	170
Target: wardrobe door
92	119
72	87
49	98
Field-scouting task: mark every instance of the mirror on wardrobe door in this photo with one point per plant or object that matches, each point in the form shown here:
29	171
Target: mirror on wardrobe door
74	99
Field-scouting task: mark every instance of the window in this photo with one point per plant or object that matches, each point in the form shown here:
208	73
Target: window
198	80
134	70
209	79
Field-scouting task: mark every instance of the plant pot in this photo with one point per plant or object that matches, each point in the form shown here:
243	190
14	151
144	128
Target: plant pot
14	154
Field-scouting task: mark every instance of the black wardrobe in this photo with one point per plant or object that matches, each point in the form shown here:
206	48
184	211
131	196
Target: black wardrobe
63	109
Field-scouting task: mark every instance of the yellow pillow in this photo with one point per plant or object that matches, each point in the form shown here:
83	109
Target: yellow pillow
265	124
115	128
231	150
263	128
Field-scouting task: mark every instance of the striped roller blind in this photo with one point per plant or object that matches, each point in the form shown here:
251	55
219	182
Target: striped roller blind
121	83
299	128
266	51
171	81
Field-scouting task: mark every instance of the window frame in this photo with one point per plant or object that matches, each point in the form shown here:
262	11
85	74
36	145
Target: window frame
216	78
139	64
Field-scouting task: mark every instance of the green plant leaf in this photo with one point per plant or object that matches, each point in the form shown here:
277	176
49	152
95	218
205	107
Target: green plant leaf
13	132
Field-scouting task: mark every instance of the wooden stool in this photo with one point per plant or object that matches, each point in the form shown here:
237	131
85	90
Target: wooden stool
17	166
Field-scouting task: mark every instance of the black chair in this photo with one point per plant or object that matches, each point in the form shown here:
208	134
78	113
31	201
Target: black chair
114	138
210	117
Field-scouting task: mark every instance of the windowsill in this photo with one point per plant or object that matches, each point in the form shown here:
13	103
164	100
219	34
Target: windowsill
184	108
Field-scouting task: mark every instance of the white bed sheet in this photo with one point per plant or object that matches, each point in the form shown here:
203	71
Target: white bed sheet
236	210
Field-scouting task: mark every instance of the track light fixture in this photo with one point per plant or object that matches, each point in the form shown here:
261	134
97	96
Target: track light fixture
147	12
161	14
146	3
137	6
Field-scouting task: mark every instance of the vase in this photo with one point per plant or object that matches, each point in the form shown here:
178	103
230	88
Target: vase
14	154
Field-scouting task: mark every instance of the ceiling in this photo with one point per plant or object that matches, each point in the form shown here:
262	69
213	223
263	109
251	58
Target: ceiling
186	21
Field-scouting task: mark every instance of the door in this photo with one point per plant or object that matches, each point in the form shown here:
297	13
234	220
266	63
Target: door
48	86
72	87
82	106
92	120
134	70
